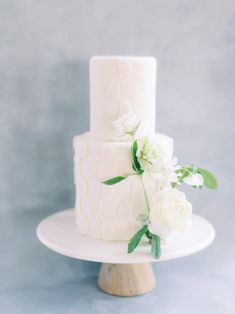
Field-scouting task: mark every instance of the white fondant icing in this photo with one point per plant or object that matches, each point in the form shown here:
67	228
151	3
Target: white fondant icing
119	85
109	212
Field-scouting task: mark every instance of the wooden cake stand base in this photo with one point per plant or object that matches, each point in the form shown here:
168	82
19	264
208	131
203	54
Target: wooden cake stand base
126	279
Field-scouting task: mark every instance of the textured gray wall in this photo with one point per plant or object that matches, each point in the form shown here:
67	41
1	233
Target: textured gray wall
44	97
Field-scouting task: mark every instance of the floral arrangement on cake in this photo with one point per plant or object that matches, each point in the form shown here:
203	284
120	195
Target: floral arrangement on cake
168	209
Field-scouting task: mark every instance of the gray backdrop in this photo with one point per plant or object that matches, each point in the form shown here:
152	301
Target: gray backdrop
44	100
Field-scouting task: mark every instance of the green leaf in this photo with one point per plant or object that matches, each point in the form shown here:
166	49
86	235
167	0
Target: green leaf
135	240
114	180
148	234
183	172
156	246
209	179
173	185
135	163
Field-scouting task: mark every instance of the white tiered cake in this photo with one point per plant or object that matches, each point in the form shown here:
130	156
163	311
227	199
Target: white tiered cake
118	85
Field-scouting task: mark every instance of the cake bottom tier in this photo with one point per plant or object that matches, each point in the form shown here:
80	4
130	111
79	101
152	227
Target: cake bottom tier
109	212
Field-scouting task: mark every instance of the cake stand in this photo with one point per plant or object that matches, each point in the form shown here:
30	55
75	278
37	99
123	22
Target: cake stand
121	274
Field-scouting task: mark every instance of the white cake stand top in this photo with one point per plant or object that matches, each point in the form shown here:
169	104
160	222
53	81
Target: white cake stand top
59	233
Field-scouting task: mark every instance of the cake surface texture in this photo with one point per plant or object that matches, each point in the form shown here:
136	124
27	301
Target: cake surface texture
118	86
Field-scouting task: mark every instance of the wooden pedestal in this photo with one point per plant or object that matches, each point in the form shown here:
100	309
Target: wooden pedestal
126	279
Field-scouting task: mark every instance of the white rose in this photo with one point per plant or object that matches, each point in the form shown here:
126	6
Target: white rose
125	124
169	210
194	179
150	155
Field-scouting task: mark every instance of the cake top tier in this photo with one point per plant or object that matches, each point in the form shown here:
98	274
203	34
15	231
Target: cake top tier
134	58
121	85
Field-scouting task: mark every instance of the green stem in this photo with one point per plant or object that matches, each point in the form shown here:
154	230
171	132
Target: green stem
145	193
133	138
130	174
